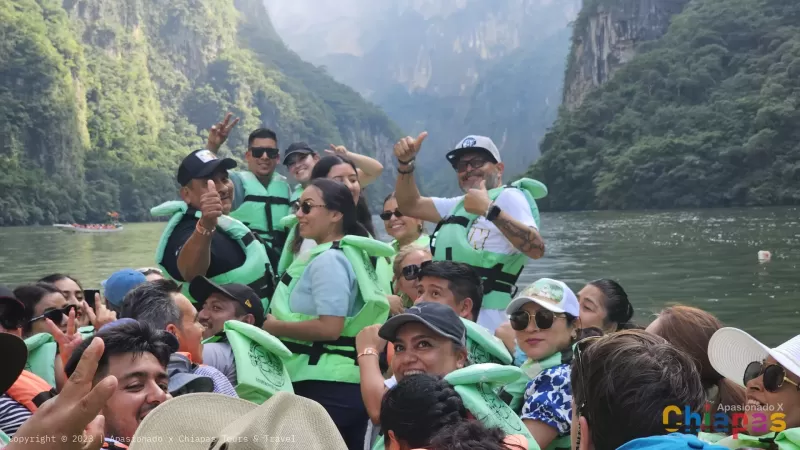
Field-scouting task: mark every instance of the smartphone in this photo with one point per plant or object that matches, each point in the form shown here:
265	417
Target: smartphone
88	295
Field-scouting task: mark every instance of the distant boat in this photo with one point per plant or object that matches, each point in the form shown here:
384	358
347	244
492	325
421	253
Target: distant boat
90	228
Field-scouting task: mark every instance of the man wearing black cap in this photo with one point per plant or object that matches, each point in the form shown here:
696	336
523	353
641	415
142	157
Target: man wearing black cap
218	304
492	227
261	197
201	239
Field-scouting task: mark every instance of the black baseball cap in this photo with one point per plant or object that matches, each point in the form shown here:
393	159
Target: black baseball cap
201	164
15	355
297	147
201	288
441	319
10	304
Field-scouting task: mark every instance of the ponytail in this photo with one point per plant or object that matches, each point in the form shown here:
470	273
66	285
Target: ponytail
619	308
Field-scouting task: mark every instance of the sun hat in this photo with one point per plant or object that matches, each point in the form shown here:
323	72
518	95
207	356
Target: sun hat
211	421
730	350
550	294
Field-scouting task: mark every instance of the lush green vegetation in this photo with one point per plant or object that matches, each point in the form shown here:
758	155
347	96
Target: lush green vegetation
705	116
100	99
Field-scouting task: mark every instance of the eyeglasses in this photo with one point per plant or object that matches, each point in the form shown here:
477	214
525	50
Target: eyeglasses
474	163
774	375
306	206
412	271
543	319
56	315
580	348
386	215
258	152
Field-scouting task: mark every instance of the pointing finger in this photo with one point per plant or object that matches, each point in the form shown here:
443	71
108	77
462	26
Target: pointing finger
80	382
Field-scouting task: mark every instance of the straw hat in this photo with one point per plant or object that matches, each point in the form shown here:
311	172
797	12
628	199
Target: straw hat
209	421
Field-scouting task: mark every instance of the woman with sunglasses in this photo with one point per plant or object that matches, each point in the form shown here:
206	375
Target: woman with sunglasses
406	267
771	378
322	302
690	329
404	229
73	292
545	320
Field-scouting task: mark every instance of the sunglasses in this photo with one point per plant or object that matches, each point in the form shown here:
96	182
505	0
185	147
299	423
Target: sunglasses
258	152
543	319
56	315
306	207
774	375
386	215
412	271
475	163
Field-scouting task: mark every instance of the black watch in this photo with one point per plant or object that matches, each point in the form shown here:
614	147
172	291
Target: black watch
494	211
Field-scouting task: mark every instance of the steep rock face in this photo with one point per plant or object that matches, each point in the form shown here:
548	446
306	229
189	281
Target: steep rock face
605	36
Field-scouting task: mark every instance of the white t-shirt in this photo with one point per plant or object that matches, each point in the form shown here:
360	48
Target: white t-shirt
484	235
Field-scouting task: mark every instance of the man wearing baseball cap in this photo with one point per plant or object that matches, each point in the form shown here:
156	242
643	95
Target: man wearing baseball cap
492	227
771	378
119	284
201	239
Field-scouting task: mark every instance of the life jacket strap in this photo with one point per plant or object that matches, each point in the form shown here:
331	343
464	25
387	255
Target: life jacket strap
319	348
494	278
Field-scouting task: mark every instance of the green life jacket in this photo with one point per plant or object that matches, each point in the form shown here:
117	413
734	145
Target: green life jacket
4	439
423	241
86	332
296	193
256	271
476	384
42	351
334	360
450	241
483	347
262	210
784	440
259	358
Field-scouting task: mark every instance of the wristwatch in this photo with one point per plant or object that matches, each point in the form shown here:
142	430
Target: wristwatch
410	168
492	212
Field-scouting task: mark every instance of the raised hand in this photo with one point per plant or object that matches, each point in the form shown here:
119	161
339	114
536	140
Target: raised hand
210	207
67	342
407	148
218	133
101	315
340	150
368	338
477	200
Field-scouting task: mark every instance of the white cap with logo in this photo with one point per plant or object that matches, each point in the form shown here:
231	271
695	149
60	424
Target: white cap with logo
471	143
550	294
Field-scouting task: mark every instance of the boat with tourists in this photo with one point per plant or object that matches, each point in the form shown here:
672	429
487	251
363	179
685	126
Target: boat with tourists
112	226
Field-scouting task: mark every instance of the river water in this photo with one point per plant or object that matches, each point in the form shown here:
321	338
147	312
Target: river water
704	258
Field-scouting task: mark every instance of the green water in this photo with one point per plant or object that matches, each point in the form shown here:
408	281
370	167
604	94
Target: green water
704	258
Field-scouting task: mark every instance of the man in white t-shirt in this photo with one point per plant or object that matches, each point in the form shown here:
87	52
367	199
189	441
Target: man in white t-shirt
504	227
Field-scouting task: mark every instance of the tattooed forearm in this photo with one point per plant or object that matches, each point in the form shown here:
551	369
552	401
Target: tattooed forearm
523	238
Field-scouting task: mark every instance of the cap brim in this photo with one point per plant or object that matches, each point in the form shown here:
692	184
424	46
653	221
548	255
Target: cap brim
196	417
15	355
189	382
201	288
299	150
211	167
730	350
389	329
453	155
519	302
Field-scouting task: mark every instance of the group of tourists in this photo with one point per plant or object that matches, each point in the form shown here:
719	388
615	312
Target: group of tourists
276	318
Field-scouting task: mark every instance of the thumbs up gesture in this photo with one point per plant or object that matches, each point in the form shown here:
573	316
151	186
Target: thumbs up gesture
210	207
477	200
407	148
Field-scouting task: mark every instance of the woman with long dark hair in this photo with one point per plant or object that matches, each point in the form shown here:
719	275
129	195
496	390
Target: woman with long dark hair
605	305
322	302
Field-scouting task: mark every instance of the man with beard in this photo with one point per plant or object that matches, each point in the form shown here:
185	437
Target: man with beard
492	228
261	195
136	355
201	239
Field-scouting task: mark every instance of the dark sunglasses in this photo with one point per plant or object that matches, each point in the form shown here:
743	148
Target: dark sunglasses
543	319
475	163
306	207
386	215
774	375
412	271
258	152
56	315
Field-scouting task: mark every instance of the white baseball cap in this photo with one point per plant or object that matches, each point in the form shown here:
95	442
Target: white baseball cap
550	294
730	350
471	143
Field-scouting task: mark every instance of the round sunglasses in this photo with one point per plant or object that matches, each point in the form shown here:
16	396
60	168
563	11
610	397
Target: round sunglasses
543	319
56	315
774	375
386	215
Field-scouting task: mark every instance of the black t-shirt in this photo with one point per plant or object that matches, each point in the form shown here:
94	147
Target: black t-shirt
226	254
